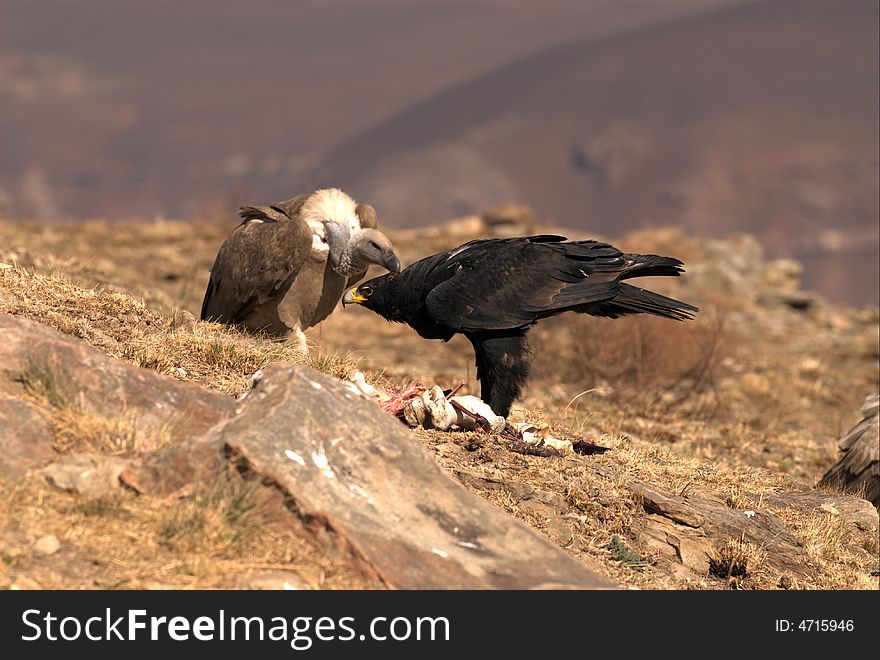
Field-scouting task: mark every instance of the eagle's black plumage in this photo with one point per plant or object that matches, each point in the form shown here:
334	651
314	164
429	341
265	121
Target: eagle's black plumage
494	290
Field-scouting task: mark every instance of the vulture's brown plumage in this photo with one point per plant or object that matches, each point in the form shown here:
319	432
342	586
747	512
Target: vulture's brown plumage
858	468
285	267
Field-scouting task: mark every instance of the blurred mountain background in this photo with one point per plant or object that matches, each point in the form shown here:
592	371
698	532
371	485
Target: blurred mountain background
717	116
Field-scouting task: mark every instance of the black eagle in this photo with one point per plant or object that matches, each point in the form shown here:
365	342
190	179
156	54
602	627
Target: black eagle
493	290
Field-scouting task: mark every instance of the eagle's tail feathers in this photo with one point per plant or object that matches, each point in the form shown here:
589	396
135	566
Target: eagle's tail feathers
633	300
652	265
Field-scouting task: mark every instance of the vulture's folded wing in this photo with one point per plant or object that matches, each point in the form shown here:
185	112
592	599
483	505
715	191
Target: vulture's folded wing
262	213
255	265
858	468
367	216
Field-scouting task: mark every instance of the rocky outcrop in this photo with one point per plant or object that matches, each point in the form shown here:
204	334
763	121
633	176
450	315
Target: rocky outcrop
690	536
691	529
67	374
26	437
360	482
353	481
353	477
695	530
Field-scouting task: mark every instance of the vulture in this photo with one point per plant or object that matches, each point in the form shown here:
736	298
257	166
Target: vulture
858	469
494	290
284	268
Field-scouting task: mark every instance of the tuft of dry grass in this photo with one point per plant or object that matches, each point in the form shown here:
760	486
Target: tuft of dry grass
76	430
641	360
736	559
42	384
221	519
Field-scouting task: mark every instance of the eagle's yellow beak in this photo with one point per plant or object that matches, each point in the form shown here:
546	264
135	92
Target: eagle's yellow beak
352	296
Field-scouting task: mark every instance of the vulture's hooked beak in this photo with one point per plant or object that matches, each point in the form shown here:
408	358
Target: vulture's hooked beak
352	296
391	262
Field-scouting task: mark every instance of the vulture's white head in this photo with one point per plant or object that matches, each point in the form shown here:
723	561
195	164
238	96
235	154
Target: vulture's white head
354	254
339	237
330	205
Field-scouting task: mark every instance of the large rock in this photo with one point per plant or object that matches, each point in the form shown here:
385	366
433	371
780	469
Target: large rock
26	437
357	477
70	373
853	511
692	529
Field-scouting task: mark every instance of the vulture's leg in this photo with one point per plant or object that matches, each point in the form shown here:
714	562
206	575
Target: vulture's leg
502	367
302	346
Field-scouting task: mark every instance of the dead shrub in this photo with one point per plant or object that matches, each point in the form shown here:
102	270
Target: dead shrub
735	559
637	357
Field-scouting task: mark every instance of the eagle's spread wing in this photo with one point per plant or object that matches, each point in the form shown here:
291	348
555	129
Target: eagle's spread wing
495	285
256	263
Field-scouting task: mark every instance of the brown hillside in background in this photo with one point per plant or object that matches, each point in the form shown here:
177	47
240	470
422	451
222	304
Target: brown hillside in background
718	117
762	118
134	108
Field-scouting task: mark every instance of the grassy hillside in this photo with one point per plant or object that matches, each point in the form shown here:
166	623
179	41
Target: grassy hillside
745	402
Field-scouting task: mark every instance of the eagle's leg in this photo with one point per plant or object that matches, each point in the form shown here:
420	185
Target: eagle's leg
502	367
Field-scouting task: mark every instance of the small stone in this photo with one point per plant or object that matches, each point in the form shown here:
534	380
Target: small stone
46	545
447	449
24	583
279	580
86	474
183	320
559	531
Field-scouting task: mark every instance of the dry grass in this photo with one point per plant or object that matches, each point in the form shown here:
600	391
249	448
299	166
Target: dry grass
214	355
641	360
846	558
222	519
213	539
42	384
77	431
